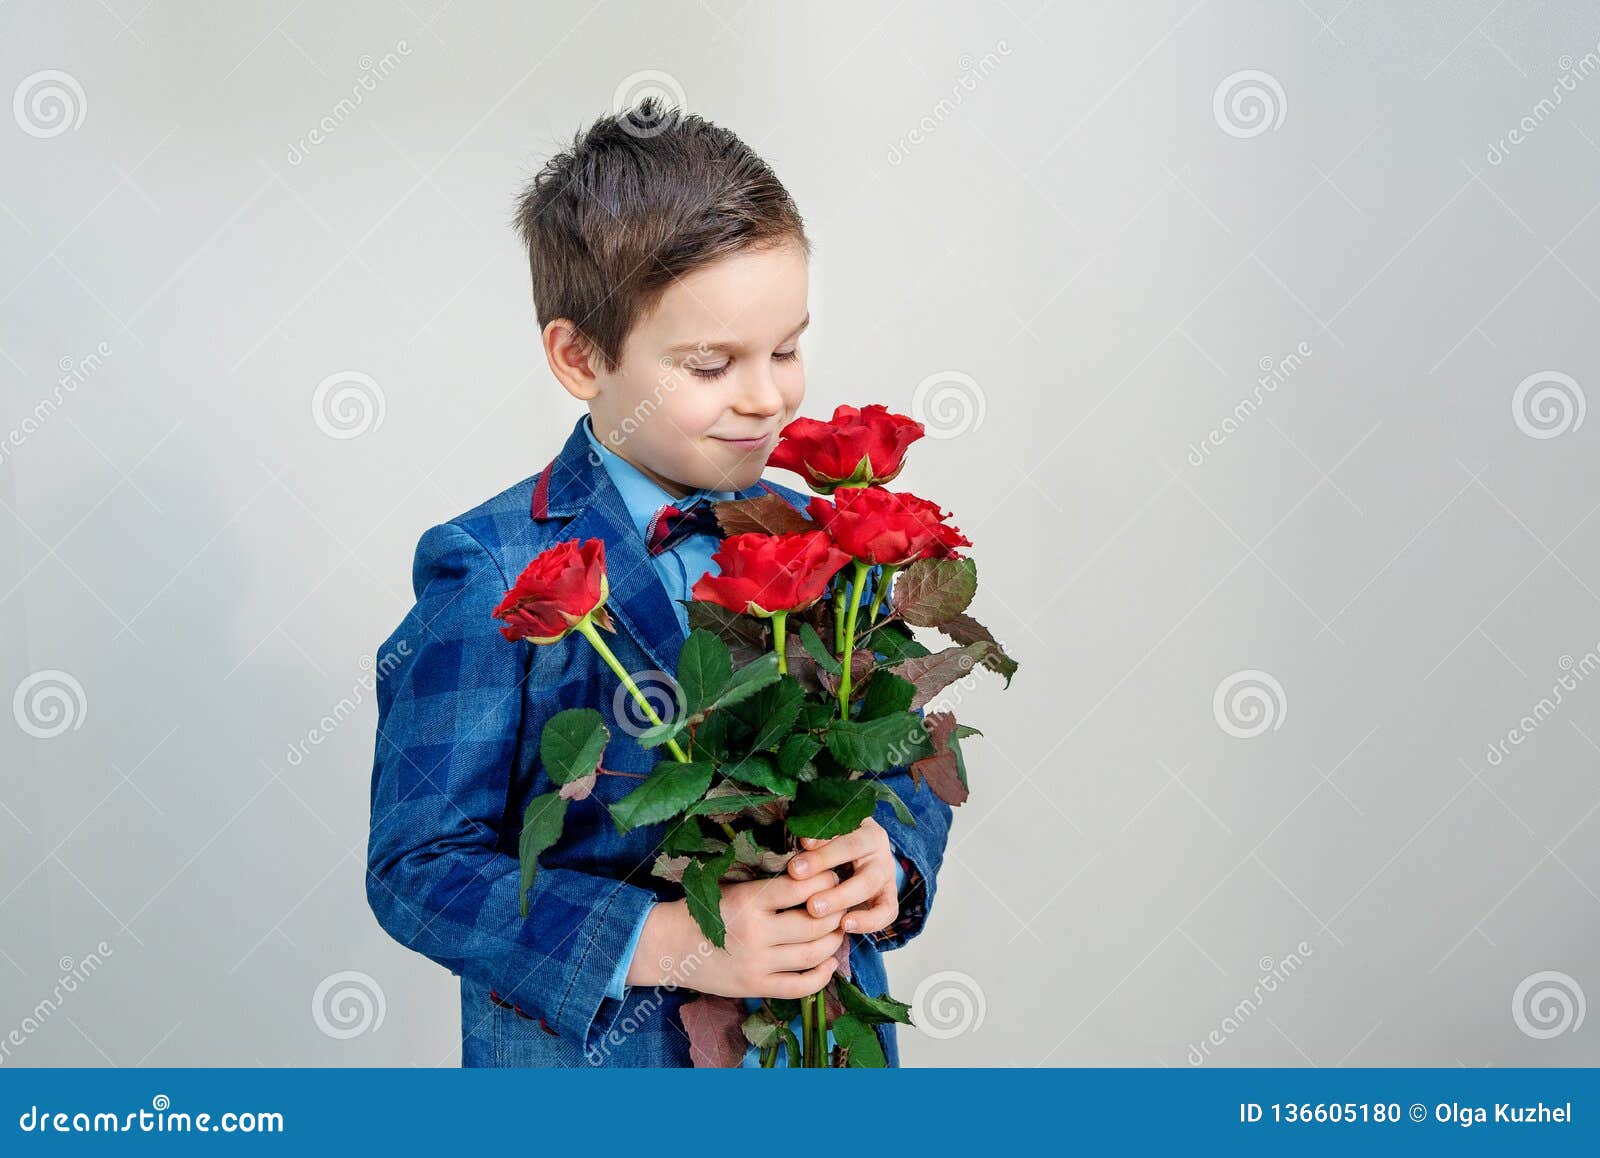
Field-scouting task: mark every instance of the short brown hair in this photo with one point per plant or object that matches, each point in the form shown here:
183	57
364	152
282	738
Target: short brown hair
641	198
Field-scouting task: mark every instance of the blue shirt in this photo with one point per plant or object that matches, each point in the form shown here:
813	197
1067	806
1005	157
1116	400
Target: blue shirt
678	568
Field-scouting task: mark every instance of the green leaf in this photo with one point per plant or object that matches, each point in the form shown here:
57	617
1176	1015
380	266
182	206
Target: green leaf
796	751
704	668
871	1010
541	828
761	769
572	743
761	1031
713	736
878	745
962	731
792	1042
772	711
825	808
812	642
887	693
716	805
667	791
816	716
658	734
862	1048
901	812
934	591
684	837
746	682
704	894
894	642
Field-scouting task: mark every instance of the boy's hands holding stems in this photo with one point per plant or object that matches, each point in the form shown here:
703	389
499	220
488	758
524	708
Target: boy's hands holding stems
783	933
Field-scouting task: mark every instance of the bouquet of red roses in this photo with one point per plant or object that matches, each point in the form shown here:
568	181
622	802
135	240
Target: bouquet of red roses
802	681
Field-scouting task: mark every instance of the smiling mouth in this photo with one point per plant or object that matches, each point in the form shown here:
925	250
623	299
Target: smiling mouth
745	444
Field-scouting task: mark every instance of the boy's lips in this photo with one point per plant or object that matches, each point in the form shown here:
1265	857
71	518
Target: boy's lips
745	444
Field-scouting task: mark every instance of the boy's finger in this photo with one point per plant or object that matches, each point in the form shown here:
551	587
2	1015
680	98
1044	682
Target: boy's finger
837	851
778	893
796	926
796	985
843	896
871	919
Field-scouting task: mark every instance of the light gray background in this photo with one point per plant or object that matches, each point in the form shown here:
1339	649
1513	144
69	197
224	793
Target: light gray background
1074	229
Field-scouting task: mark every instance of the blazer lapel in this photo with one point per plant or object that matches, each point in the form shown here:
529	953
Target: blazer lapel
577	488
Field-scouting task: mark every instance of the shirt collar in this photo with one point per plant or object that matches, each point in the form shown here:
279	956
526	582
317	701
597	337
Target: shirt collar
641	494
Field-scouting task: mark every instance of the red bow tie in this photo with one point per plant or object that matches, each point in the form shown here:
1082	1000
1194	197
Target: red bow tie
671	525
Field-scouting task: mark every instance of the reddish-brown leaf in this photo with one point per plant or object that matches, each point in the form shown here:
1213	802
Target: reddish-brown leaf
716	1039
768	514
942	776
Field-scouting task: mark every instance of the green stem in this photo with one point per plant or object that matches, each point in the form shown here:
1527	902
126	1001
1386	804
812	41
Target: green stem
838	614
847	652
820	1019
806	1043
588	630
780	621
883	589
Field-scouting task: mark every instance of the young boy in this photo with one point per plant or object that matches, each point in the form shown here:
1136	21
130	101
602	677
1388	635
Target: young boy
670	280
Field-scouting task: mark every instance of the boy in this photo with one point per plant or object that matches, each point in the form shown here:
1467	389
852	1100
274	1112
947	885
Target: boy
670	279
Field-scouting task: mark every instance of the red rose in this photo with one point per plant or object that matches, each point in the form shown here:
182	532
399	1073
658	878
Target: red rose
855	447
561	586
761	574
879	526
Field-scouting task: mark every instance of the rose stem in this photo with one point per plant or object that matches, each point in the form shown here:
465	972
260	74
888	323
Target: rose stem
883	589
589	632
779	623
848	652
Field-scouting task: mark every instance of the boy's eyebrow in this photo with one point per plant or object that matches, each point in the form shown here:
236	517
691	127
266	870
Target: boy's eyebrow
725	347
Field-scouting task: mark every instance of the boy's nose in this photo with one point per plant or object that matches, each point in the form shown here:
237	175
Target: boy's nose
760	395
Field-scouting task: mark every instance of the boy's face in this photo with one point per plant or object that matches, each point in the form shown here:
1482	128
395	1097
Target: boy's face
708	378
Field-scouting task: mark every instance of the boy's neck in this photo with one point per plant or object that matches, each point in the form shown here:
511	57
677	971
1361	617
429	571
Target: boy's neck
674	488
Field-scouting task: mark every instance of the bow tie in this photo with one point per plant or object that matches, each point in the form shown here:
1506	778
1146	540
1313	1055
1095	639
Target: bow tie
670	525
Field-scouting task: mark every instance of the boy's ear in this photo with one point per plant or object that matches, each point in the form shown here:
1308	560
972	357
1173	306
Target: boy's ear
572	358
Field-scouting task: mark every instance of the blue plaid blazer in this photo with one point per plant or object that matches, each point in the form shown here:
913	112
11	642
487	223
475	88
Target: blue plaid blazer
457	759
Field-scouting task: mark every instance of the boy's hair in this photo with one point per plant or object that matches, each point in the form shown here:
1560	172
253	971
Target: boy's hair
641	198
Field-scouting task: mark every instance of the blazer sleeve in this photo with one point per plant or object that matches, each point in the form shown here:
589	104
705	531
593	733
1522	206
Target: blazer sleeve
920	851
438	880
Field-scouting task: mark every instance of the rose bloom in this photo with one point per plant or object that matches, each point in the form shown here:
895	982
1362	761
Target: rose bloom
762	574
894	528
561	586
855	447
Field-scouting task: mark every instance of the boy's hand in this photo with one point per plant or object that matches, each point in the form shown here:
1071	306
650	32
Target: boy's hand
773	947
868	899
